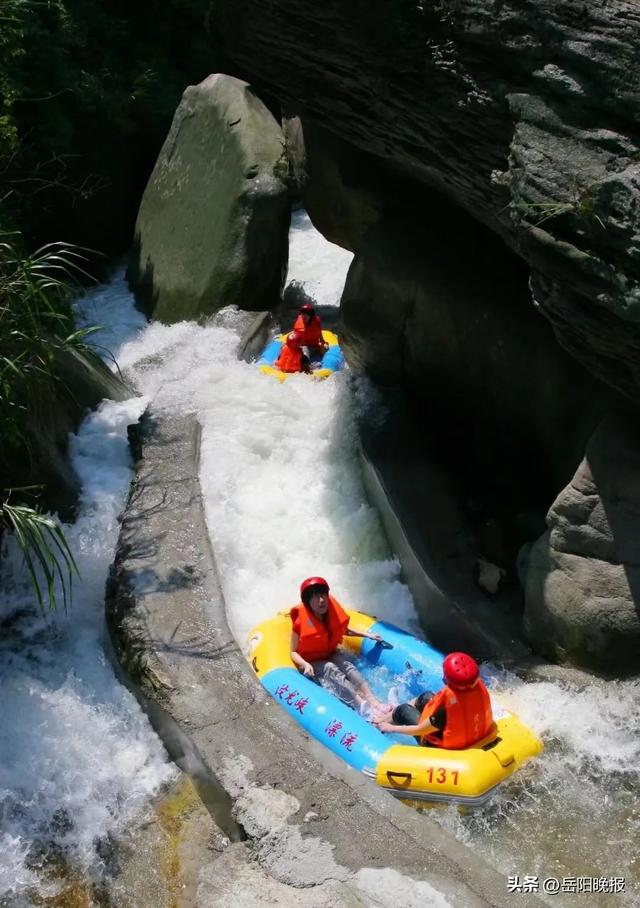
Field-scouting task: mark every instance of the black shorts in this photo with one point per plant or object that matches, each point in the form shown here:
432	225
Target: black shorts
407	714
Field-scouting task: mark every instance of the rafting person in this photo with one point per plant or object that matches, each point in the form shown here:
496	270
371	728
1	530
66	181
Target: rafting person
309	327
319	624
292	357
458	716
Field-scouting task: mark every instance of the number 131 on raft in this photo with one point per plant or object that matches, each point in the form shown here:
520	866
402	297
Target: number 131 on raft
441	775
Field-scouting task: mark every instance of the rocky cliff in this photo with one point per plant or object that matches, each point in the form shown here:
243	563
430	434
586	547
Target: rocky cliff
524	114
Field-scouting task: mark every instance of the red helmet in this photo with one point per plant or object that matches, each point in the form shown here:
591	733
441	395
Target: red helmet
293	340
460	670
310	582
307	307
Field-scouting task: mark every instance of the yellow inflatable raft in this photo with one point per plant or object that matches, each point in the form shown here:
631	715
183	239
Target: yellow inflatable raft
416	774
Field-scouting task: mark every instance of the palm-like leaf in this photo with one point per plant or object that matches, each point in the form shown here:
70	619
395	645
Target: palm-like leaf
36	321
36	329
45	550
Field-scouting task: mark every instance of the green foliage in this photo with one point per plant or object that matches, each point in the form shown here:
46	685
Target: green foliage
36	326
87	92
36	329
46	552
582	203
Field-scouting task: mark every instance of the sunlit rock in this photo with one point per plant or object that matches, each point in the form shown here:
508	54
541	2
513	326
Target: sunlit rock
212	226
338	186
583	574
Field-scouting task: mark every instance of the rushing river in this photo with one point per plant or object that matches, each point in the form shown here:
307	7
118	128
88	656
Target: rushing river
284	499
77	756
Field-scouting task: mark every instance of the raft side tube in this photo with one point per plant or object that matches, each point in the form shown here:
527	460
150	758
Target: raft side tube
407	653
459	775
330	721
271	352
333	359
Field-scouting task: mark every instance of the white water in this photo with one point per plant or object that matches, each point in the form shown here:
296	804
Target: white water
321	266
77	756
282	490
574	812
284	499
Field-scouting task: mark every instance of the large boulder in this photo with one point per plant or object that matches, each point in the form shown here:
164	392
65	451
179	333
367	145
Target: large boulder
212	229
524	114
583	574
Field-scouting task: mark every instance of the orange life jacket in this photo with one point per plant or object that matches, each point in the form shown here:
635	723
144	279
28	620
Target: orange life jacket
469	717
311	333
289	360
319	639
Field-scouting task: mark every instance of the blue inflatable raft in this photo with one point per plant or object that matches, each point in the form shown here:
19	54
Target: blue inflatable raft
398	763
332	361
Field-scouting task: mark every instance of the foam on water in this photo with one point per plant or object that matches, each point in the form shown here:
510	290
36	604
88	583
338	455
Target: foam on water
573	812
282	489
110	307
604	727
77	755
283	499
320	266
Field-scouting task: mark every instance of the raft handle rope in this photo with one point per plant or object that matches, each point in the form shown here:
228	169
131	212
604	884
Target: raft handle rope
407	776
492	744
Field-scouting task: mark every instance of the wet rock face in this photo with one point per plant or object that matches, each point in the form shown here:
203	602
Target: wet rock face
524	114
443	309
213	223
583	576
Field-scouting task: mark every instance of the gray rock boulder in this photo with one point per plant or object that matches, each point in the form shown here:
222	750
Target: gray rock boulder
488	576
583	574
213	222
